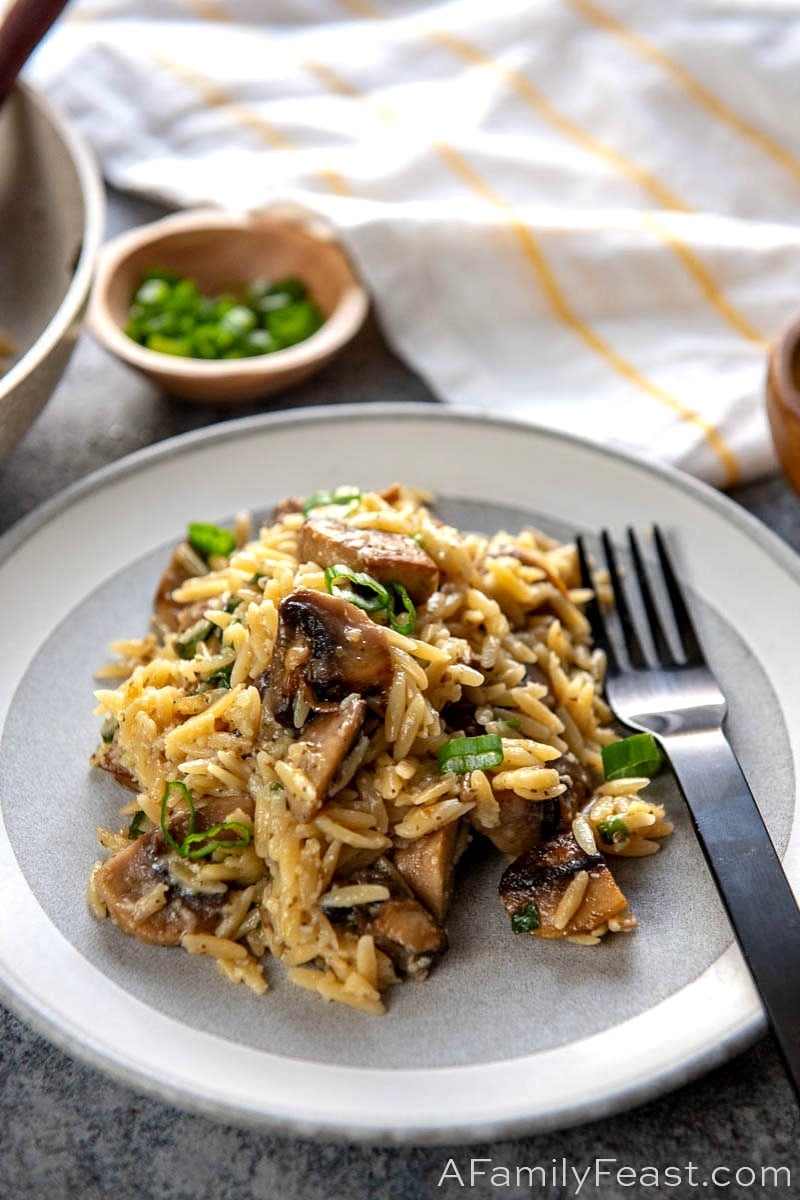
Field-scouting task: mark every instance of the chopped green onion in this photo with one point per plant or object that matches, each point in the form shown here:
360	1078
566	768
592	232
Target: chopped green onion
277	787
344	494
210	540
109	728
376	599
471	753
135	827
186	643
238	321
404	620
187	796
632	756
372	597
614	831
209	840
168	314
178	347
293	323
511	722
153	293
222	677
206	841
526	919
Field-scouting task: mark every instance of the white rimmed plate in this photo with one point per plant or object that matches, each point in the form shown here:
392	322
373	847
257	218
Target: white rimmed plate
509	1034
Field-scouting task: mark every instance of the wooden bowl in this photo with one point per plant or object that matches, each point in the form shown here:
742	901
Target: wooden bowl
783	400
219	250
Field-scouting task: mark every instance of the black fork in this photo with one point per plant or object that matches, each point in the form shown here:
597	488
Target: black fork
676	698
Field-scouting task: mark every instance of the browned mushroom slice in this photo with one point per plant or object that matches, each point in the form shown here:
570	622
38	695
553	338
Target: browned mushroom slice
387	557
325	650
408	934
169	615
401	926
556	890
522	824
428	867
130	877
327	740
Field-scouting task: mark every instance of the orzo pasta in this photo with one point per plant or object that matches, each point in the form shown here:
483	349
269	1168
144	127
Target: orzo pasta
321	718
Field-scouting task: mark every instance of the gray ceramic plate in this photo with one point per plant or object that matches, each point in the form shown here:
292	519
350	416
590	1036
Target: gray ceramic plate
508	1034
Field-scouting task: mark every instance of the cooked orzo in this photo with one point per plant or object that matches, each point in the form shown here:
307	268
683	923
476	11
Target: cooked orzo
325	714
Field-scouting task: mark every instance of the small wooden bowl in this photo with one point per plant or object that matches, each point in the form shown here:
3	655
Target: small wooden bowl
218	251
783	400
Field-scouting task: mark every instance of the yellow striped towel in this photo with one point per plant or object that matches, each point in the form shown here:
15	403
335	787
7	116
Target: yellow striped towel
583	213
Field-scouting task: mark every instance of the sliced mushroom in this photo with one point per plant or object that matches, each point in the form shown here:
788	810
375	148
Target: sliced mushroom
538	882
522	824
408	934
401	926
132	874
325	650
327	740
428	867
387	557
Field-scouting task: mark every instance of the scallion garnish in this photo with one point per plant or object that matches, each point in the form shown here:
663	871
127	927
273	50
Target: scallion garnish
402	620
209	840
222	677
614	831
206	841
342	495
186	643
109	728
135	827
632	756
471	753
526	919
210	540
372	596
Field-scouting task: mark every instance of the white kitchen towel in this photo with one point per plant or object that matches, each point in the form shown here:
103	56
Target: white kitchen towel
581	212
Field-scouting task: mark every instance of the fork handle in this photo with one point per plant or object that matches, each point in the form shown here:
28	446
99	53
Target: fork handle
761	905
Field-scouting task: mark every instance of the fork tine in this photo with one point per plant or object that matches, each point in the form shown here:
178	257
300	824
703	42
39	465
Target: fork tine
632	642
660	641
594	612
686	629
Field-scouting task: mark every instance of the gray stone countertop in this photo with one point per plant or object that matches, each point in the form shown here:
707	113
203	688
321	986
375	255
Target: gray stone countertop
68	1132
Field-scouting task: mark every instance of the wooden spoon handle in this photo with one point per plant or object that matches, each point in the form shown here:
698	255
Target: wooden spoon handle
24	26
